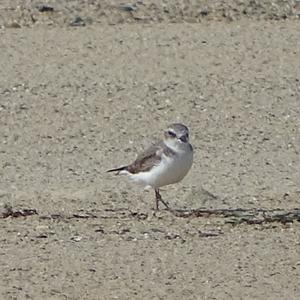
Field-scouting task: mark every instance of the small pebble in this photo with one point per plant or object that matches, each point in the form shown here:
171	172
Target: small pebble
78	21
76	238
42	7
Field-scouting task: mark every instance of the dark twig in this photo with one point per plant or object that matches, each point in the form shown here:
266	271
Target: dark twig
239	215
9	212
232	216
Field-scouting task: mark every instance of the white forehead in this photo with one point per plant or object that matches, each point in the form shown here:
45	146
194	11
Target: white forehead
178	128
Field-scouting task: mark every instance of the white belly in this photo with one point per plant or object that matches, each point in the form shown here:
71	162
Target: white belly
170	170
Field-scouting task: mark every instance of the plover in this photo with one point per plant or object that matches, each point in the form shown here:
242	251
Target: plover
164	163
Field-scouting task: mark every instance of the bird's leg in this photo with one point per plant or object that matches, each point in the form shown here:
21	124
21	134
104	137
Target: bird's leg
159	198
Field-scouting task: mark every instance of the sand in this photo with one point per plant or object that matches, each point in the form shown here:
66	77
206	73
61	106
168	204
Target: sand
77	100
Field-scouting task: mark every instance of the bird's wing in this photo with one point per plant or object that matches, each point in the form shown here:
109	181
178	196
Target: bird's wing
147	159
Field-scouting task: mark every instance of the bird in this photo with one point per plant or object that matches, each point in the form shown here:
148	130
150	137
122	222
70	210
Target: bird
163	163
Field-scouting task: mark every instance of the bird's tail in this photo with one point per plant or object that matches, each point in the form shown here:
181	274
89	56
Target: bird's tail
117	169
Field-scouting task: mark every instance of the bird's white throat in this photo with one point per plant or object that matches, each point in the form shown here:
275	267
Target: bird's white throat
177	146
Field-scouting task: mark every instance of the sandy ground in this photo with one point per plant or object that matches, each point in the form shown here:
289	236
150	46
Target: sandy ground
75	101
36	13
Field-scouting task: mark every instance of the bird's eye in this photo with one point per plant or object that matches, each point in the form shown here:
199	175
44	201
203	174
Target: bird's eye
171	133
